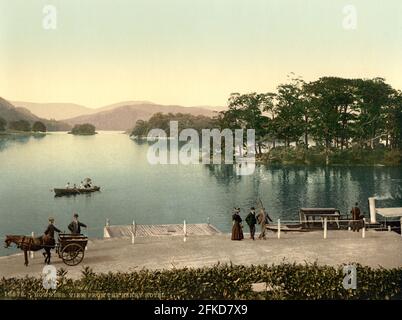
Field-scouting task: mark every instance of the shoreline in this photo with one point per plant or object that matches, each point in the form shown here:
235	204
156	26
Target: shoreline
22	133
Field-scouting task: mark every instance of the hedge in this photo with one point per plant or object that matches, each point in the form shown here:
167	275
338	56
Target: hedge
222	281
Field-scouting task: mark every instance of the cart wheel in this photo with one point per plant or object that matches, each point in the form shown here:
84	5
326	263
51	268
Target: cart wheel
72	254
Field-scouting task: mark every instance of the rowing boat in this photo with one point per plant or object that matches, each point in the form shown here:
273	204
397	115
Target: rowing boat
74	191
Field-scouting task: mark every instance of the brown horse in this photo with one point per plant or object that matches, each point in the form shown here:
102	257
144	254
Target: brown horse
26	243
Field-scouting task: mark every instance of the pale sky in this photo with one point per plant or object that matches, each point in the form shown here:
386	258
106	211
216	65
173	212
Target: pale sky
189	52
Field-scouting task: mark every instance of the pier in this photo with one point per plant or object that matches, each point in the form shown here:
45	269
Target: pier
159	230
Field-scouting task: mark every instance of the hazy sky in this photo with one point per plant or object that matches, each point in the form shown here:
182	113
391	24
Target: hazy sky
189	52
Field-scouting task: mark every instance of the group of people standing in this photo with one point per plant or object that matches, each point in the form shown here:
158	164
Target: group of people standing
252	219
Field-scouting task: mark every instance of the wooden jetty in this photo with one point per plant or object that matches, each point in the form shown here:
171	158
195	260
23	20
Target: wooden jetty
122	231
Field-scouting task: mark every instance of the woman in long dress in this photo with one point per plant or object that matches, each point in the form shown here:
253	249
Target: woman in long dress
237	229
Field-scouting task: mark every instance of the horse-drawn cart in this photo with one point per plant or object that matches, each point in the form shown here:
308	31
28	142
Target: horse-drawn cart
71	248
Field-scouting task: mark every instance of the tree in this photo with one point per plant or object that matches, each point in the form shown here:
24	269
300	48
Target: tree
38	127
374	98
270	106
245	112
83	129
140	129
3	124
162	121
292	118
393	120
20	125
333	109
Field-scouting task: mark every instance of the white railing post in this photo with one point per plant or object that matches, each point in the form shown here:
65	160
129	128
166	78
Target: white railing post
364	228
325	227
185	231
279	228
401	227
133	227
208	221
389	228
31	253
373	211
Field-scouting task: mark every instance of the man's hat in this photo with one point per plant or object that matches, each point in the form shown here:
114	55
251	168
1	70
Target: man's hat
51	219
252	208
75	215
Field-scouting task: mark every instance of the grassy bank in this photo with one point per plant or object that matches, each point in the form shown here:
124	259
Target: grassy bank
318	156
284	281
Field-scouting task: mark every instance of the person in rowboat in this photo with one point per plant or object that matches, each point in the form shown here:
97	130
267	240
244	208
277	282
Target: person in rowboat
68	185
88	183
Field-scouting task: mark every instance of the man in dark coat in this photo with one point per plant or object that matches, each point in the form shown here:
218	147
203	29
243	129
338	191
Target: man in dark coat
51	228
251	221
356	217
75	225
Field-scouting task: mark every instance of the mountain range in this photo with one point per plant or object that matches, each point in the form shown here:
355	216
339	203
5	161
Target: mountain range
124	117
57	111
118	116
11	113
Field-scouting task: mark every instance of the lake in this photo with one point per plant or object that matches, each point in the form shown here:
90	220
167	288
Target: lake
133	189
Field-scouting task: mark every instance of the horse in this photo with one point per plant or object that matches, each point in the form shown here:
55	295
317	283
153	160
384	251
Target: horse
26	243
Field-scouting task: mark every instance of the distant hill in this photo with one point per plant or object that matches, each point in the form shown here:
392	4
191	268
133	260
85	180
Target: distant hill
11	113
122	104
123	116
57	111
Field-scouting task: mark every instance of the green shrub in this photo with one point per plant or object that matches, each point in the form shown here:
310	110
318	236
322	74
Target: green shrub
83	129
38	127
317	156
20	125
286	281
393	157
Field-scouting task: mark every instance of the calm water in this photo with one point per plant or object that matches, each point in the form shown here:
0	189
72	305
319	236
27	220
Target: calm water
133	189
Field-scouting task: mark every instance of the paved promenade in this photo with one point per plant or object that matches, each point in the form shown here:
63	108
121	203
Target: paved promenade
377	249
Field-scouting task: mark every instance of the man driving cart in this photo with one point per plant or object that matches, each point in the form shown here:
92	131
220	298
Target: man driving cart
75	225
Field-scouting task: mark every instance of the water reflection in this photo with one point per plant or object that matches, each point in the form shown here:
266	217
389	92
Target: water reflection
224	174
39	136
10	140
